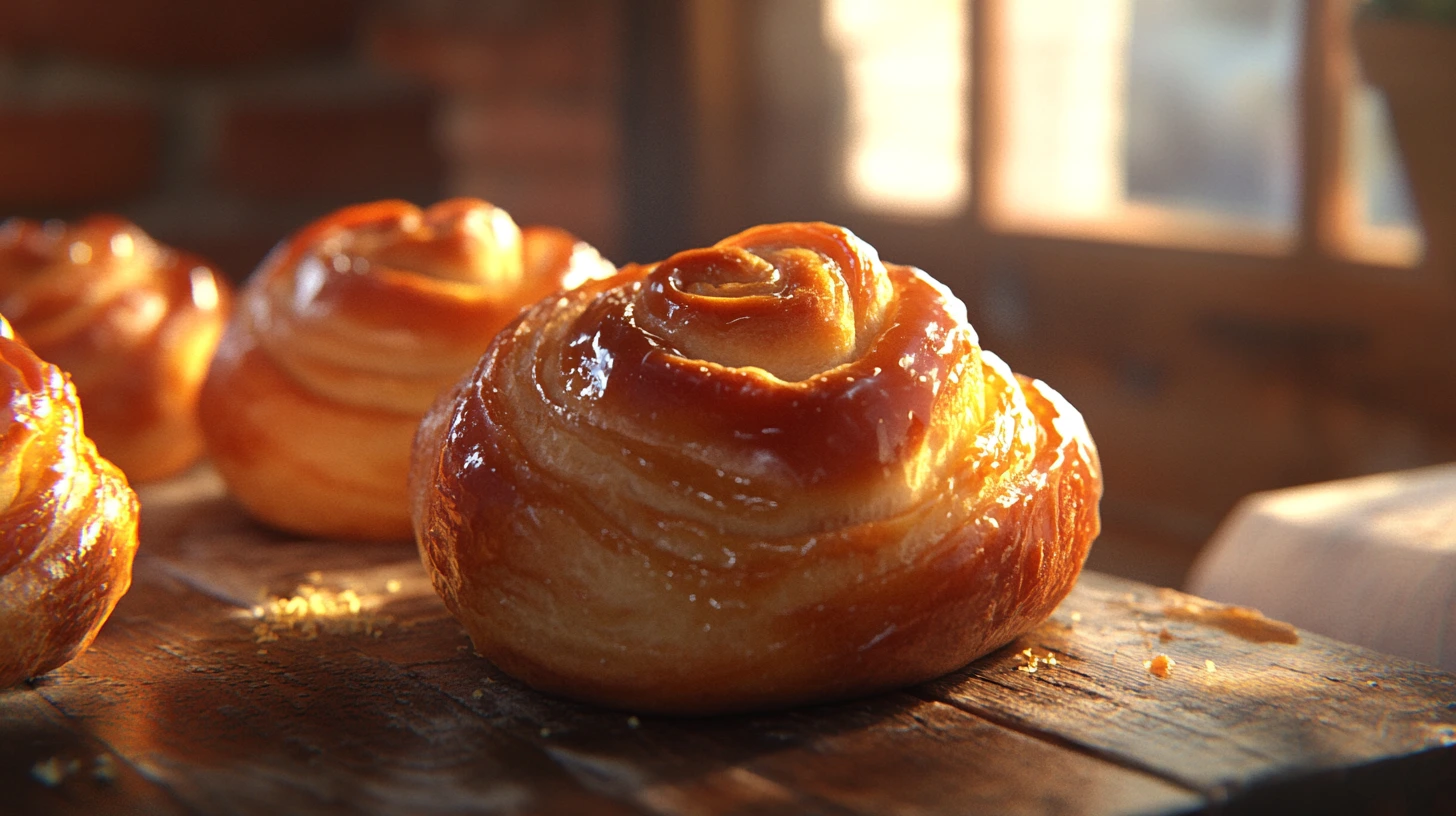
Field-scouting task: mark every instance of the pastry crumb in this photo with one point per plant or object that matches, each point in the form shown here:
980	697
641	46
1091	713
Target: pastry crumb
1160	666
313	610
477	694
1164	635
1209	666
1031	661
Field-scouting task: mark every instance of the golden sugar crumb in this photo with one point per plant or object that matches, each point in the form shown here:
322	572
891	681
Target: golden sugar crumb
1076	617
1164	635
1160	666
1209	666
477	694
312	610
1031	661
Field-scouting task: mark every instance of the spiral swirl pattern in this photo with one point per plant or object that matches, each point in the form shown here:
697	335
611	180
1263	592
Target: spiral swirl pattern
133	322
767	472
68	520
345	335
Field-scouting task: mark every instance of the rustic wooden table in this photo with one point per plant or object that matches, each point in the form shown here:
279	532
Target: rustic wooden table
206	694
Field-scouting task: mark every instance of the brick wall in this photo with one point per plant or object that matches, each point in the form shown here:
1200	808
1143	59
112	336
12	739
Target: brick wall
531	118
222	126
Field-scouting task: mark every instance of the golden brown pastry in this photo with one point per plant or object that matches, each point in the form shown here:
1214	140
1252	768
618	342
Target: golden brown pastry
68	521
764	473
345	335
133	322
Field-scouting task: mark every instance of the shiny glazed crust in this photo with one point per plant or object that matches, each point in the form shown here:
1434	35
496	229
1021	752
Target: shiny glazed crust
765	473
345	335
68	521
133	322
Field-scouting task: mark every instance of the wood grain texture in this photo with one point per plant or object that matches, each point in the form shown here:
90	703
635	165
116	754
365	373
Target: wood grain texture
204	712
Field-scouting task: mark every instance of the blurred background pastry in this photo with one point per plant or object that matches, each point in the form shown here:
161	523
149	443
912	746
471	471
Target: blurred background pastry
345	335
133	322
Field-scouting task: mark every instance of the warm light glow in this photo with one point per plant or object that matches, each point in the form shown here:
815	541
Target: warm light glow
204	289
905	75
1064	118
79	252
122	245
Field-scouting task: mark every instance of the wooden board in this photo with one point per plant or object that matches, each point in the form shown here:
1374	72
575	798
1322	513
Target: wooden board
190	703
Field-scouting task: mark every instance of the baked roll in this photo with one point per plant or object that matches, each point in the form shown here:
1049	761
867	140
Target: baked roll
68	520
133	322
345	335
764	473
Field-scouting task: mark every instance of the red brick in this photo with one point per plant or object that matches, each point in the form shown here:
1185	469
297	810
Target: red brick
569	50
76	156
178	34
324	150
529	134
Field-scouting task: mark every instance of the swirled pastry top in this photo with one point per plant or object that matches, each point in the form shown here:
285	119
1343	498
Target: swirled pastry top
347	333
769	471
382	305
133	322
68	520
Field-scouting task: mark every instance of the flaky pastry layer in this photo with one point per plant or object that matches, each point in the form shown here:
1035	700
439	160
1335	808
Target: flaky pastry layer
768	472
133	322
345	335
68	521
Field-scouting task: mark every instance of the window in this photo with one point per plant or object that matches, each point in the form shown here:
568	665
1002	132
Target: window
1165	122
905	68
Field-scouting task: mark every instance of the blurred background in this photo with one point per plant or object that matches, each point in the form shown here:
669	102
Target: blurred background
1189	216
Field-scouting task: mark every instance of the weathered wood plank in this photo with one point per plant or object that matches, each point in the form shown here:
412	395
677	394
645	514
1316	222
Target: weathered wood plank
179	687
777	762
47	765
207	711
1267	710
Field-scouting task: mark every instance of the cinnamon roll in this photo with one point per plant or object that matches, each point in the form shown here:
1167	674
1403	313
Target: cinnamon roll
133	322
68	520
768	472
344	336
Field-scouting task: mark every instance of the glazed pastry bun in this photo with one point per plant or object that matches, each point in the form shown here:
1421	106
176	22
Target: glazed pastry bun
68	520
133	322
769	472
344	336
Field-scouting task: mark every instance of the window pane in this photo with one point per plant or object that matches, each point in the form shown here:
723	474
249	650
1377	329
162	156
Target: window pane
1211	106
1150	112
905	126
1384	197
1063	118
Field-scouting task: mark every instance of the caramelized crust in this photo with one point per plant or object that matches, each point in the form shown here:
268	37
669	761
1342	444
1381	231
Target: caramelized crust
345	335
134	323
68	521
769	472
